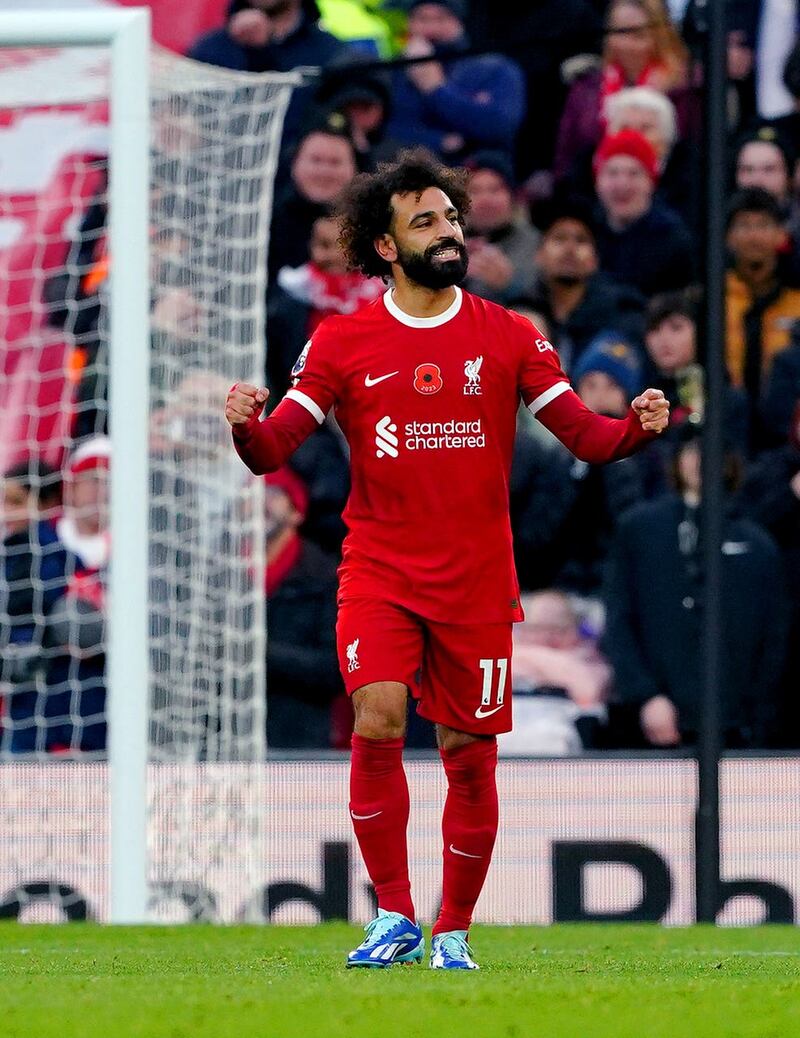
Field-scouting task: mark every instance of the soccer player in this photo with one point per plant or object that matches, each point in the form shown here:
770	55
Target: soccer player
426	383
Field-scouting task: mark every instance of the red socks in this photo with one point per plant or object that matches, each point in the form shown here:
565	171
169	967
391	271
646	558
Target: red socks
469	827
379	809
379	812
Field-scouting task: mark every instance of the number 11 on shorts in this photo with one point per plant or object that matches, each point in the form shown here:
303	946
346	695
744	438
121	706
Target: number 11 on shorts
488	668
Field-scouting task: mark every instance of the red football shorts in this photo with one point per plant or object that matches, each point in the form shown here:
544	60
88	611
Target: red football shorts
460	674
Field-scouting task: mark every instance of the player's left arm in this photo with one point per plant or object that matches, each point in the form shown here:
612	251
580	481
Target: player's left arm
596	439
591	437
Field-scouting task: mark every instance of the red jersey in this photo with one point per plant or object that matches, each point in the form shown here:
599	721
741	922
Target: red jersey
429	407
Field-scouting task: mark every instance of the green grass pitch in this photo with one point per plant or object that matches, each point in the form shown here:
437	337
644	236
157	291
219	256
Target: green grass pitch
558	982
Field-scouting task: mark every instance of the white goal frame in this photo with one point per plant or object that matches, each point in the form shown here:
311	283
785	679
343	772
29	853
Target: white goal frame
127	33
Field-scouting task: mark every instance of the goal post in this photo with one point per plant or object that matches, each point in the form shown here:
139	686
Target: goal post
127	34
173	803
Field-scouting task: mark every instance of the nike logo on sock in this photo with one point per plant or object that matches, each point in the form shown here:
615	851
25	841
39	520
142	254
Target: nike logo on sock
464	854
381	378
361	818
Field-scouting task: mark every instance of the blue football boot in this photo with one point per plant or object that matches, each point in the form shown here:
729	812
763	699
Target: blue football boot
390	938
450	951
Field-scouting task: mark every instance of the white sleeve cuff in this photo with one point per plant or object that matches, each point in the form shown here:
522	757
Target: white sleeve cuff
305	401
543	399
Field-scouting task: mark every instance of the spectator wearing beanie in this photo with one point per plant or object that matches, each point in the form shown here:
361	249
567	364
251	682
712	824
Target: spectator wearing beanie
580	504
652	114
500	238
577	300
458	105
640	240
608	375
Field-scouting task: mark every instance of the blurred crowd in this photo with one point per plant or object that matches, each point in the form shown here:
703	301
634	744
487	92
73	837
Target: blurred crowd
582	131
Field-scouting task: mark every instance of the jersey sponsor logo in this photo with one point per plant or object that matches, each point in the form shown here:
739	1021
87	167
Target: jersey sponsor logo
300	363
472	370
385	439
427	436
369	381
428	379
352	656
543	345
452	435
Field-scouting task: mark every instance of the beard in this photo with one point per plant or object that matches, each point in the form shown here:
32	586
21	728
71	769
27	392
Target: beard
426	270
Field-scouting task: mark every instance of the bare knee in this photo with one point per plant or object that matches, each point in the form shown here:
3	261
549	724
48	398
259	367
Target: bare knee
380	710
451	739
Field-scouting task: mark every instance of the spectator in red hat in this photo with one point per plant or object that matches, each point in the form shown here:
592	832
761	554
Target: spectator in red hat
302	668
74	639
639	240
642	48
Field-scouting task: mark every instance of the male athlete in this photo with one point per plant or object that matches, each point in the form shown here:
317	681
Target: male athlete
426	383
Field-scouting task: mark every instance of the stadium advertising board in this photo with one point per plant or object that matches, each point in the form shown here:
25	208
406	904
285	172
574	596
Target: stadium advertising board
579	839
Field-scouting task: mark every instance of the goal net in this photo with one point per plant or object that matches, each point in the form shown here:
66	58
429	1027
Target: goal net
215	142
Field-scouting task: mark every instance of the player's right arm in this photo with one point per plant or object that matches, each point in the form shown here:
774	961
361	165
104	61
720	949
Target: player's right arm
266	445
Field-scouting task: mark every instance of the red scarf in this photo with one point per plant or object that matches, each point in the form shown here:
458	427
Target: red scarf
614	79
280	567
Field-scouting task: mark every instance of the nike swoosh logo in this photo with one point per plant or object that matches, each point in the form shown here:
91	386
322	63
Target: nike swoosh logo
480	712
464	854
381	378
361	818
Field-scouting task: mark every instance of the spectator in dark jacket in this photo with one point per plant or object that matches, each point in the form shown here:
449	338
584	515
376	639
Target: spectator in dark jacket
577	300
500	239
271	36
74	297
654	596
302	669
564	511
76	630
674	365
640	241
770	496
322	164
362	97
454	106
33	577
782	392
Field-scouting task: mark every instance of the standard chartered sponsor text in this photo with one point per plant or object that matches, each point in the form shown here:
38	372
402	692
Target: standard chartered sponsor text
450	435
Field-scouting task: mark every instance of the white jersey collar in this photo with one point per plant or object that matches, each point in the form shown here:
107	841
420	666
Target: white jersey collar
423	322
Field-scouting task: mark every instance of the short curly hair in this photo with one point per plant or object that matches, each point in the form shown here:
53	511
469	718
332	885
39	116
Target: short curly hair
365	209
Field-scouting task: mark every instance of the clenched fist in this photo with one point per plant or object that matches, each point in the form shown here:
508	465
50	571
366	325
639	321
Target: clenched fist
653	410
244	402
